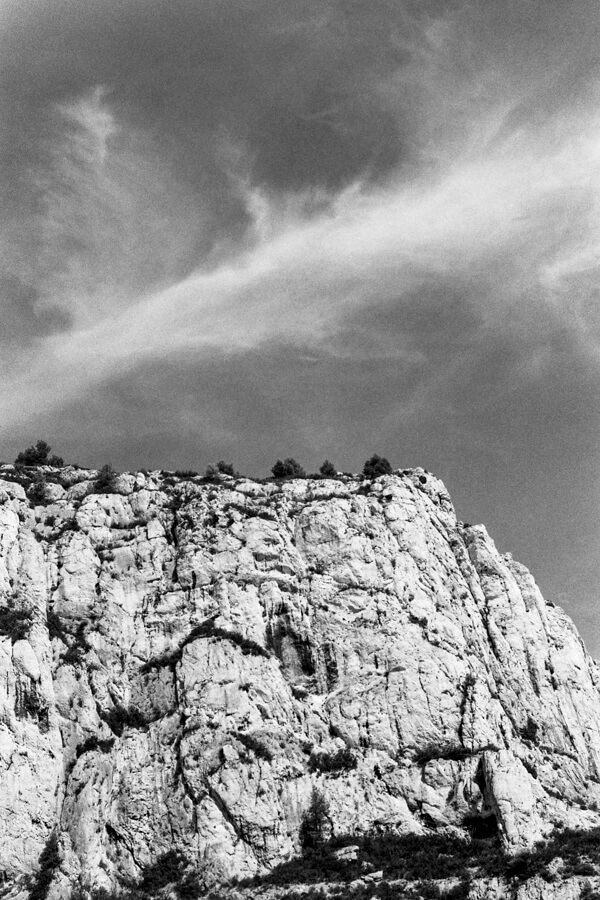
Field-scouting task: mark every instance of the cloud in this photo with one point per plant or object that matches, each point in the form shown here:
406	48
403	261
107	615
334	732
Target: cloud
507	231
353	226
136	134
147	141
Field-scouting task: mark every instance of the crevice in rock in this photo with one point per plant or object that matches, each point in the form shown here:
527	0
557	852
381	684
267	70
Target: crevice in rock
222	807
181	778
466	692
116	837
282	637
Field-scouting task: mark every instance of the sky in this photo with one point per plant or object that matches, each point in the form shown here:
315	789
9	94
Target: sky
313	228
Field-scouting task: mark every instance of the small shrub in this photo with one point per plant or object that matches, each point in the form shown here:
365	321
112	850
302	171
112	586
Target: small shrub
343	760
38	490
328	470
226	468
71	525
121	717
30	703
288	468
76	644
14	623
529	732
441	751
185	473
376	466
167	869
189	888
94	743
49	863
55	626
584	868
106	482
258	747
246	645
73	655
38	456
315	821
213	472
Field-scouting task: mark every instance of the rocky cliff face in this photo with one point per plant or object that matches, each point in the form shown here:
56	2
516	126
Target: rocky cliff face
182	664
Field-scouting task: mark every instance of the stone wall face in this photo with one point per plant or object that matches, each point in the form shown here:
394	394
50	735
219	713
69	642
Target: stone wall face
181	664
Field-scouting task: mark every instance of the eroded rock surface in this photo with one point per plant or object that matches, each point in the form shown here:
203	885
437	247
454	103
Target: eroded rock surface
182	663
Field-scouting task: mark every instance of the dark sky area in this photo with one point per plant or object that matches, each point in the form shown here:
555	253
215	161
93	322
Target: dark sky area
249	230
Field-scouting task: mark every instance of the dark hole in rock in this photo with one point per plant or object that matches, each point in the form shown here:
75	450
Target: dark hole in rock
482	827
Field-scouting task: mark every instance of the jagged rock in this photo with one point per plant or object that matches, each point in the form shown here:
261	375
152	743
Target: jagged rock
182	664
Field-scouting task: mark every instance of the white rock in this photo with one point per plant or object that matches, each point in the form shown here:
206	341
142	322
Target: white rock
13	490
216	653
25	660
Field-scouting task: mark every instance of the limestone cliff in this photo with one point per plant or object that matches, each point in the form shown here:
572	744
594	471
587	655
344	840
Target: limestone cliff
182	663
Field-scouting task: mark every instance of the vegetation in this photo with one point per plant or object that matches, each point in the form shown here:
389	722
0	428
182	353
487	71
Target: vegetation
342	760
328	470
14	623
246	645
106	482
169	876
167	869
427	859
38	455
32	704
221	468
288	468
424	861
120	717
529	732
315	822
76	644
206	629
93	743
376	466
49	862
226	468
256	745
38	492
447	750
250	510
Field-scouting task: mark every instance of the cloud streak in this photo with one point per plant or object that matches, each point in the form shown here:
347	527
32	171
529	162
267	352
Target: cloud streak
304	279
285	225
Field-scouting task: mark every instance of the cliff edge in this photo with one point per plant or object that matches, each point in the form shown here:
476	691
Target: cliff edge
188	668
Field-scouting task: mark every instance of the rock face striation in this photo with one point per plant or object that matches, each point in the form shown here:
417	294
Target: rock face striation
183	663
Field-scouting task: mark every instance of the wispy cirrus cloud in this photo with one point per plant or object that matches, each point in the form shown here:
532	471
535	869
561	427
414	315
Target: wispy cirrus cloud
315	228
518	222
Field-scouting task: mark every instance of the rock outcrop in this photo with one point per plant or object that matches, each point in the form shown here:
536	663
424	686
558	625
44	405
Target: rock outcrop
182	665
